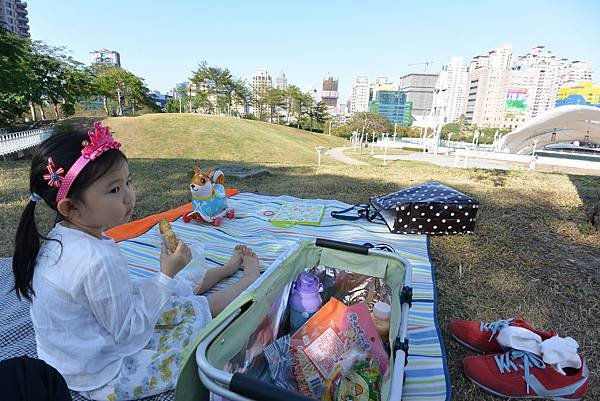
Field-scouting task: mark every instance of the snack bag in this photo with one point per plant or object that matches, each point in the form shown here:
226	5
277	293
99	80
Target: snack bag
362	336
354	379
317	348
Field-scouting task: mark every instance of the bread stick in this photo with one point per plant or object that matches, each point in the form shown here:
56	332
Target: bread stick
168	235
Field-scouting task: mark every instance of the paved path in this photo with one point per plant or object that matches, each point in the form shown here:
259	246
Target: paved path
338	154
472	162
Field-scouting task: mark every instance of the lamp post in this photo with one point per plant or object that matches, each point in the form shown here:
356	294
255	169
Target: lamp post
319	149
448	144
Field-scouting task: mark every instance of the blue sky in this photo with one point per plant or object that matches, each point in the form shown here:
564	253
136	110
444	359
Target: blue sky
163	41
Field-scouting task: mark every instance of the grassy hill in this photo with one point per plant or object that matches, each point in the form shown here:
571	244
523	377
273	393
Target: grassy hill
192	136
533	254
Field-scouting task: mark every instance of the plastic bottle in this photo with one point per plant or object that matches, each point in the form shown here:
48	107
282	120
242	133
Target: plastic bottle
305	299
381	318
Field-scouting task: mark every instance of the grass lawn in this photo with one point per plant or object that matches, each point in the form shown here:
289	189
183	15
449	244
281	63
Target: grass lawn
533	254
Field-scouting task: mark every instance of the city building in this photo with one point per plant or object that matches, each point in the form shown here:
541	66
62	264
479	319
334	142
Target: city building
359	99
393	106
330	94
312	91
13	17
419	90
261	81
380	84
487	83
106	57
160	99
281	82
579	71
584	93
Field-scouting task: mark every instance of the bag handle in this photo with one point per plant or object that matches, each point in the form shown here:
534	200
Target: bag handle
363	210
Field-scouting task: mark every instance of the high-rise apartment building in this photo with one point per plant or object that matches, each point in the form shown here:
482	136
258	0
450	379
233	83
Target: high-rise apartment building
281	82
330	94
419	90
487	85
106	57
13	17
261	81
359	99
551	73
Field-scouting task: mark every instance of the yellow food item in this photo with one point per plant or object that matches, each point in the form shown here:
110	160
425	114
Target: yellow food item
168	235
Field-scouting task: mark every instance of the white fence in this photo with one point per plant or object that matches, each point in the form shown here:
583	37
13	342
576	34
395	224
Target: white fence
19	141
430	143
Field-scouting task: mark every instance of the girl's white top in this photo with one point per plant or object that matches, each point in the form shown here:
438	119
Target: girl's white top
87	312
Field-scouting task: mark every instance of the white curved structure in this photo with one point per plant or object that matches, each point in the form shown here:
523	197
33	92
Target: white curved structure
561	124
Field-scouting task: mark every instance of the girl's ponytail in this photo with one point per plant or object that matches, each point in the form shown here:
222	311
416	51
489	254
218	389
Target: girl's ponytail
27	246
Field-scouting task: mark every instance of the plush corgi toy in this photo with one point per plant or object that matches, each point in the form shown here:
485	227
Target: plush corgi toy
209	201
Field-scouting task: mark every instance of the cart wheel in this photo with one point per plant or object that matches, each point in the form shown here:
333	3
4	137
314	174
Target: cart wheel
217	222
230	214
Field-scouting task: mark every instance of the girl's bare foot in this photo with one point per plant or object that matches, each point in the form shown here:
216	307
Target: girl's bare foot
235	262
250	263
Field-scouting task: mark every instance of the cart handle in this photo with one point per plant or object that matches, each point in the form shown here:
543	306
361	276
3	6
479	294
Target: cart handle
342	246
254	389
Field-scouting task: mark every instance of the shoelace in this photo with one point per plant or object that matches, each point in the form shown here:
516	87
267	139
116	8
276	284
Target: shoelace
495	327
506	362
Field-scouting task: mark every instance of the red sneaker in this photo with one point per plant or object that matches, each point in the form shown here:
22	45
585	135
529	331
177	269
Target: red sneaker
520	374
481	337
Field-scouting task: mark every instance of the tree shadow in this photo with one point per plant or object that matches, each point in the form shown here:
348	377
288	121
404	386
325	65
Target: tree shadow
588	188
496	176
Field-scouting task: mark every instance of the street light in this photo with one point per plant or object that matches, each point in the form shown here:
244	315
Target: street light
448	144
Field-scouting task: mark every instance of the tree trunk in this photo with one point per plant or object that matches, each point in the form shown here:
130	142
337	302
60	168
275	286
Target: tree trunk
56	113
42	113
104	103
32	110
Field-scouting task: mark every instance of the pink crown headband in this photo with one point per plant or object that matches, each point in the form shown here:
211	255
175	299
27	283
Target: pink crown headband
100	141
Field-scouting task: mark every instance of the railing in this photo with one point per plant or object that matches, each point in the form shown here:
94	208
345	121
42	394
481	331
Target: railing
429	143
19	141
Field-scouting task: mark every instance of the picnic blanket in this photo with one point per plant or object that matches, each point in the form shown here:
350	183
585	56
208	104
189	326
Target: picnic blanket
426	373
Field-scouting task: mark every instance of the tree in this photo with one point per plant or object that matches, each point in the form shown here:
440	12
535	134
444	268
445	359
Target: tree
275	100
364	123
220	86
317	113
14	82
116	83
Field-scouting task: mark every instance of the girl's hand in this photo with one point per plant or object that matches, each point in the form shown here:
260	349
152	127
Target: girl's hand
172	263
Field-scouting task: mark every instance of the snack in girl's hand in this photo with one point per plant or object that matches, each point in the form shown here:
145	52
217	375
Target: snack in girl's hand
168	235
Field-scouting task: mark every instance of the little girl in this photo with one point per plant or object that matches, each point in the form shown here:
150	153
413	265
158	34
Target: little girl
112	338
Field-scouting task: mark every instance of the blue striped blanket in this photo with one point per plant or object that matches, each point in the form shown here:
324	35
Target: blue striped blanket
426	373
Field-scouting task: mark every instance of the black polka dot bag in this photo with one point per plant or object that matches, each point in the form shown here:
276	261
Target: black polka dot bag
430	208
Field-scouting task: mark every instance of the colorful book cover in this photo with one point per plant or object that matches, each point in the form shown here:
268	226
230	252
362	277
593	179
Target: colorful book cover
298	213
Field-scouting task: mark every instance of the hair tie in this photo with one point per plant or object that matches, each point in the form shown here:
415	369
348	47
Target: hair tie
34	197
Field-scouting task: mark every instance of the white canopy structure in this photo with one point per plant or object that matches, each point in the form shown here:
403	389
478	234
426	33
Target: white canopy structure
561	124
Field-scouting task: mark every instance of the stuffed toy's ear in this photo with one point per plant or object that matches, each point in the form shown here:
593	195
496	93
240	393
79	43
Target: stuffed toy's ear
218	177
197	170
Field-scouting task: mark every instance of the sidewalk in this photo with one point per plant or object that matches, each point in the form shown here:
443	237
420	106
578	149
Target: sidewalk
338	154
